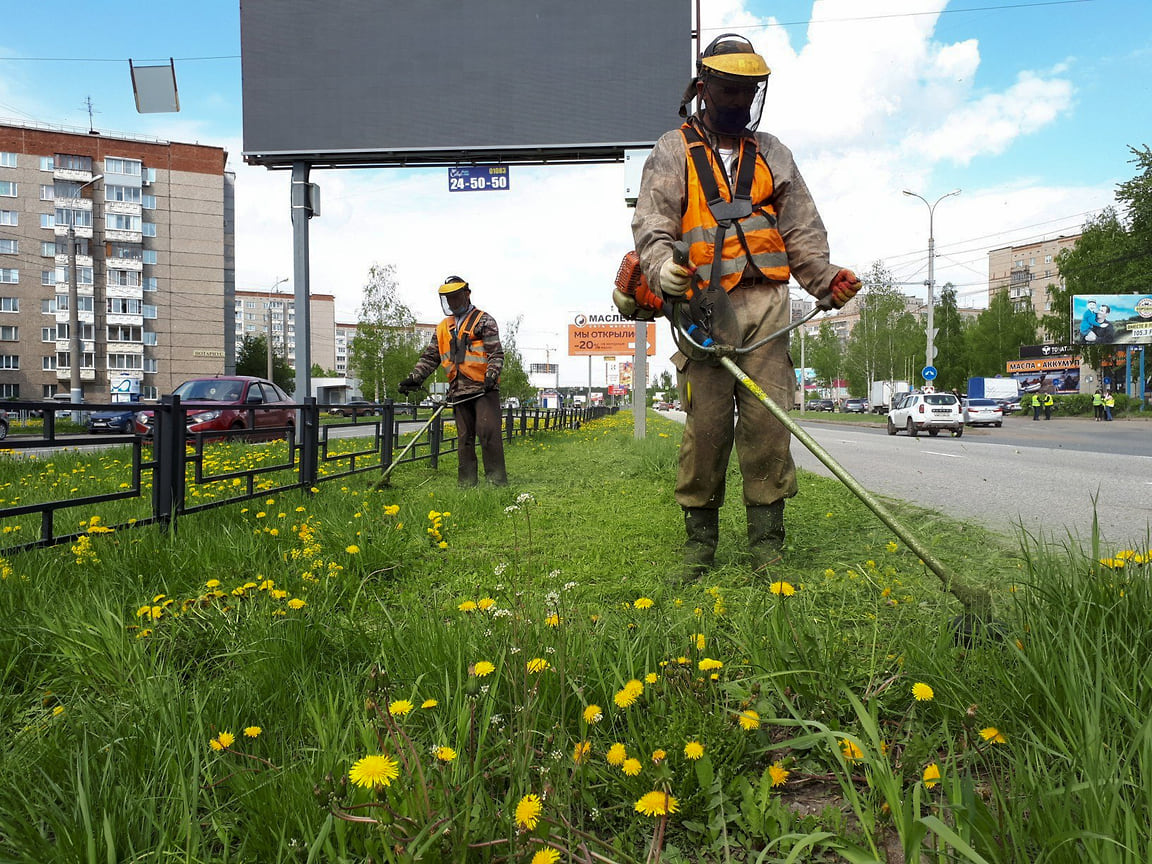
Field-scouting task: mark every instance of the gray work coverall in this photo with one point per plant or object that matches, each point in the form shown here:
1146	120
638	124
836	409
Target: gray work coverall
708	392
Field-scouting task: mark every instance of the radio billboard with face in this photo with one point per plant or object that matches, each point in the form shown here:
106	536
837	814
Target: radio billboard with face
1112	319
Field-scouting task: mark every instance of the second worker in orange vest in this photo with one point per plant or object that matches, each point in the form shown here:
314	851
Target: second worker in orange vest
467	345
717	172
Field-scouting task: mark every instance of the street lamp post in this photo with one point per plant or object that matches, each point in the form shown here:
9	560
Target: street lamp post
930	350
76	397
284	319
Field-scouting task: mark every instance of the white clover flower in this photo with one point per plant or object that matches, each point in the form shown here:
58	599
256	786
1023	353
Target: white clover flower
498	570
525	498
552	598
515	649
555	574
549	650
568	586
511	508
557	755
502	613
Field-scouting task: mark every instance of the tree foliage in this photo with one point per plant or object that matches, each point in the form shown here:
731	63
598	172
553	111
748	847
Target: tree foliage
387	344
824	354
952	353
513	377
252	359
888	341
996	335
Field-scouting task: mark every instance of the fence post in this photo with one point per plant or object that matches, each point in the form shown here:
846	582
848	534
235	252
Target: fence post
509	424
387	434
309	442
168	441
435	435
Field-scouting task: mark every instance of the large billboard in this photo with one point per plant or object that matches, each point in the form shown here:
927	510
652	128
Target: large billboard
441	82
1112	319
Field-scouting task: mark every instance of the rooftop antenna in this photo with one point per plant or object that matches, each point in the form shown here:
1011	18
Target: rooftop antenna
91	111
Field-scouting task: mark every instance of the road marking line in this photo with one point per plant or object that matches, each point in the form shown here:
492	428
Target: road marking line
949	455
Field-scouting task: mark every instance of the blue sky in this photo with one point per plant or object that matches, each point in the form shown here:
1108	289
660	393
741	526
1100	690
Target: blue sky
1028	107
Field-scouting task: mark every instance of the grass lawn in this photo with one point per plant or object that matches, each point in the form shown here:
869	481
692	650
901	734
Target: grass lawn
427	673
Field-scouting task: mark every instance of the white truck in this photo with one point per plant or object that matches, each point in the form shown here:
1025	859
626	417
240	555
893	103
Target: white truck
993	388
884	394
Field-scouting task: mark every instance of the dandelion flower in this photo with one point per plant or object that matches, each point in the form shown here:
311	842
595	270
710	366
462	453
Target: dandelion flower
429	703
296	603
581	751
593	714
693	750
922	692
851	752
708	664
631	767
651	678
252	731
537	664
749	720
528	811
553	620
399	708
658	756
931	775
377	770
545	856
467	606
483	668
485	603
991	733
627	697
643	603
444	754
784	589
617	753
222	741
699	640
657	804
778	774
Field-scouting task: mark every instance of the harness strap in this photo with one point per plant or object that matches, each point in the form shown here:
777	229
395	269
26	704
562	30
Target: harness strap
458	349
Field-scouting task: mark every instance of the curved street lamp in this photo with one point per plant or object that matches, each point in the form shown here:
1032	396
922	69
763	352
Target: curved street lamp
930	350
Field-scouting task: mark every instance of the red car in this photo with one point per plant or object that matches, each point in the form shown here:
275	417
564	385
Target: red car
221	403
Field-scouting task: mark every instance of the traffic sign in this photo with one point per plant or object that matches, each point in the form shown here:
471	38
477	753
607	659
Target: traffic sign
928	373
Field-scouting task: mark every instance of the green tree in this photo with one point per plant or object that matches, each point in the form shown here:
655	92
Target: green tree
952	350
666	384
319	371
513	378
252	359
888	341
996	335
387	344
825	355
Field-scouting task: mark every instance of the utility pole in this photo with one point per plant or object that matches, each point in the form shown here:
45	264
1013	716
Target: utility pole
74	347
930	350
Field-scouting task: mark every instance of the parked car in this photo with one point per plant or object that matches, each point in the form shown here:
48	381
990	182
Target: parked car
355	408
121	420
1009	406
927	412
222	403
820	405
3	425
854	406
983	412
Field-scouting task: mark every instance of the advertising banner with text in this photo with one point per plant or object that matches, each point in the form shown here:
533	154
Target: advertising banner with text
1112	319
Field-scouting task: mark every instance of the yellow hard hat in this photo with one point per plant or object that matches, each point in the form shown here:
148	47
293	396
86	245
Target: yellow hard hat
451	285
732	56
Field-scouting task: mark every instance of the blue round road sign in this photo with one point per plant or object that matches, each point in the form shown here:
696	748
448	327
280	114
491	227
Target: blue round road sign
928	373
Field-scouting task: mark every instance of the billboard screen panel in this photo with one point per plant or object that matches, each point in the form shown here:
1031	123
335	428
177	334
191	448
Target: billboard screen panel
1112	319
444	81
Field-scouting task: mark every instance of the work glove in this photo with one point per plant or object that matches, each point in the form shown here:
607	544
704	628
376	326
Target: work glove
491	381
674	279
408	385
844	287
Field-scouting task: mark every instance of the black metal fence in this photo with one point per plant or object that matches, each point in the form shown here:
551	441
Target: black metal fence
180	463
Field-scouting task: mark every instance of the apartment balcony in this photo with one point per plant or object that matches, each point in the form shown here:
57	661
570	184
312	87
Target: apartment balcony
132	374
124	264
74	204
64	373
118	236
81	231
72	174
62	260
84	318
126	208
129	292
113	318
126	348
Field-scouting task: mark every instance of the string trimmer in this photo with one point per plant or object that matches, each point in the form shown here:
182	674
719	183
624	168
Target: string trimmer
444	403
705	324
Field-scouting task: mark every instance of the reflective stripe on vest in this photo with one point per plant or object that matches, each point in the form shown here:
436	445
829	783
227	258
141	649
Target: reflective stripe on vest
463	351
753	238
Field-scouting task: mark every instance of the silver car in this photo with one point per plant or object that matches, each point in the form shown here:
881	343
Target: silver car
983	412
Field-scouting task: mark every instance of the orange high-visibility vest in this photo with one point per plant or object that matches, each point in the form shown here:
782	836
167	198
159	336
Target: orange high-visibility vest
761	243
462	352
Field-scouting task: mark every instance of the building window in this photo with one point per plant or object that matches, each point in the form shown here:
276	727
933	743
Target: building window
149	256
9	217
131	194
76	218
48	391
126	361
84	276
46	163
7	160
149	391
68	162
9	276
68	188
9	391
47	220
48	363
130	167
48	306
9	361
47	334
121	222
123	333
150	175
7	189
9	247
151	364
129	251
149	311
148	202
123	306
124	278
9	304
47	192
47	248
47	277
9	334
150	338
149	229
151	283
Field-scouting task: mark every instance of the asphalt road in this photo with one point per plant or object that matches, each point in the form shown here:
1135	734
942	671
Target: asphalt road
1045	477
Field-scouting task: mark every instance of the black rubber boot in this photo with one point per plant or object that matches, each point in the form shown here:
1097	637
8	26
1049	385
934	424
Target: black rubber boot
766	534
703	527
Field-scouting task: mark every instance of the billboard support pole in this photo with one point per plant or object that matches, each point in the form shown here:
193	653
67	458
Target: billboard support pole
640	382
301	212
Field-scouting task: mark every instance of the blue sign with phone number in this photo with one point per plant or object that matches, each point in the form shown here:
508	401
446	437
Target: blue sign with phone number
478	178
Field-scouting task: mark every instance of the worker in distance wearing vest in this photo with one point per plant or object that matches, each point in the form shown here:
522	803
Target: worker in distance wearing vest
467	344
765	232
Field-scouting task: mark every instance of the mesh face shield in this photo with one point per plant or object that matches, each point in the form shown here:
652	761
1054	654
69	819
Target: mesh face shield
732	107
